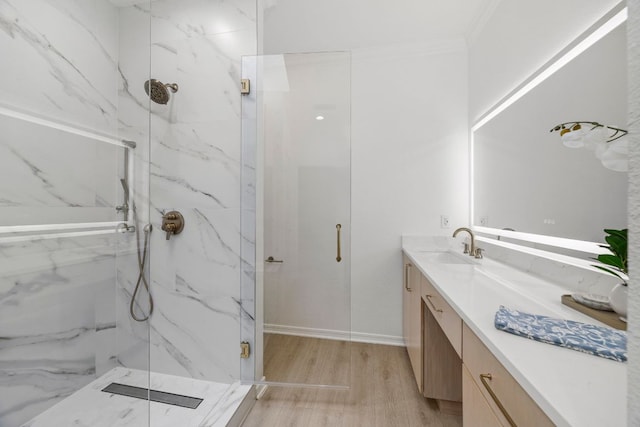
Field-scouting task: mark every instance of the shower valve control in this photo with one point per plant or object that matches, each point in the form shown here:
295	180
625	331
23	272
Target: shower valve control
172	223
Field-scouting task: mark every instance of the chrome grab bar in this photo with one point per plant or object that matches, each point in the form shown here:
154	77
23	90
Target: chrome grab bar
338	228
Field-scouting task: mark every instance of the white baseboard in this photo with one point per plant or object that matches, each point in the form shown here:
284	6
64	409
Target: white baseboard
377	339
335	335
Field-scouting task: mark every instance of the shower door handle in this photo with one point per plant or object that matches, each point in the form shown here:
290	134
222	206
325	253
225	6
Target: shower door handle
338	228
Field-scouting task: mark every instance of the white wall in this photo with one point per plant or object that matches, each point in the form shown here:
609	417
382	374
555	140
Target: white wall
409	166
518	39
633	37
329	25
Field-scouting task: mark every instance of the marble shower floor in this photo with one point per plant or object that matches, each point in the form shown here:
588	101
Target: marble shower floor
91	407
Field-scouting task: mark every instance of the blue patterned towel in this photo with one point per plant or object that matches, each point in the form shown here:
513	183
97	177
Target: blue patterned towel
597	340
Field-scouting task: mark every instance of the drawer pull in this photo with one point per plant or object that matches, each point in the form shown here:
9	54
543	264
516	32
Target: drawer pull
338	250
407	268
484	378
438	310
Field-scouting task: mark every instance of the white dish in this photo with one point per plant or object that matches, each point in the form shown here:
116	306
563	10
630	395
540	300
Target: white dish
602	299
599	302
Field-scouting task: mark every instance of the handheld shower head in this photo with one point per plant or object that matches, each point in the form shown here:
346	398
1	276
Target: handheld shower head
125	187
159	92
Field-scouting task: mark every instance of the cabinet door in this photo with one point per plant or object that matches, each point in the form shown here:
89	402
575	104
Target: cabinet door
412	318
476	411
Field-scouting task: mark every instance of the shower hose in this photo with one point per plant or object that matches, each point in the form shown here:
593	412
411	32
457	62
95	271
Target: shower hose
142	279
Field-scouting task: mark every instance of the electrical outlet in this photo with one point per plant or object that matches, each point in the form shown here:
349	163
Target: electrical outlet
444	221
484	221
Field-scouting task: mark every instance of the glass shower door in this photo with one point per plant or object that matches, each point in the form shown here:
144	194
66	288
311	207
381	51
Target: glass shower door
304	103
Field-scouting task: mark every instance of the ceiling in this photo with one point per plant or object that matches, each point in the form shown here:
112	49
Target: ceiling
349	24
340	24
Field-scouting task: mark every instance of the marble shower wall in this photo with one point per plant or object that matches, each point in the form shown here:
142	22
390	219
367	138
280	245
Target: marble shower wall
195	168
82	64
57	321
57	296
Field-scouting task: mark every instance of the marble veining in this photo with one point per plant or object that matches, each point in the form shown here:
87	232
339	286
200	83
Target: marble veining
179	184
52	321
64	302
57	169
194	167
76	72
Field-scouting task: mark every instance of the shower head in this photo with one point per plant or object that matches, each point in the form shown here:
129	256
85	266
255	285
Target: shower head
158	91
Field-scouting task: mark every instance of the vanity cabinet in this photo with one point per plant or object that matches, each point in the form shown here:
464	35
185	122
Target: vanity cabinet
452	365
412	318
433	336
499	392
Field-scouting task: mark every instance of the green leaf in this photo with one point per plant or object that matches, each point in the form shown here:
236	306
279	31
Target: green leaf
621	233
611	260
617	245
610	272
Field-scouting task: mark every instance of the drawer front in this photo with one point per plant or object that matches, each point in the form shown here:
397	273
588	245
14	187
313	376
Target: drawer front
476	411
511	404
446	316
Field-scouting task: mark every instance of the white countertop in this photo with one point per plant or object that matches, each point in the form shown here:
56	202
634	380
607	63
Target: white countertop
572	388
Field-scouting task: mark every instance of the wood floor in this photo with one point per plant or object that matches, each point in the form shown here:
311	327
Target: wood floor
383	390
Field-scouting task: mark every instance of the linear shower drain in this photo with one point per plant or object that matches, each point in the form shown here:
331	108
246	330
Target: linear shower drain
153	395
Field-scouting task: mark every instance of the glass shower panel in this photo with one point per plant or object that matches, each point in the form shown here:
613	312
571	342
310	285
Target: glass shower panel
195	174
303	291
67	154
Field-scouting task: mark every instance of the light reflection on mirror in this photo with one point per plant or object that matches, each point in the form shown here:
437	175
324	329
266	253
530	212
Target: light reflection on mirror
523	176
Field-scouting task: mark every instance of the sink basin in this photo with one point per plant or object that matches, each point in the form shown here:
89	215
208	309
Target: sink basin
445	258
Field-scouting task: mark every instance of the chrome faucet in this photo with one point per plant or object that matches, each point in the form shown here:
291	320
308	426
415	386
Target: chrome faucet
471	250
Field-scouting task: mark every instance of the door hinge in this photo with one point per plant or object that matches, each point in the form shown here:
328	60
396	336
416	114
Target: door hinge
244	350
245	86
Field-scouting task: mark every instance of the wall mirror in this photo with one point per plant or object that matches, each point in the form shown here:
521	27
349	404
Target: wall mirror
524	178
